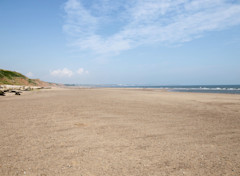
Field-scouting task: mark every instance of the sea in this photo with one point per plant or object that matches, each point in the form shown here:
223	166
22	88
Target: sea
225	89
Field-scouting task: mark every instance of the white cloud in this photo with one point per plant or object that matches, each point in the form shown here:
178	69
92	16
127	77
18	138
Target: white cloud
81	71
62	73
29	74
125	24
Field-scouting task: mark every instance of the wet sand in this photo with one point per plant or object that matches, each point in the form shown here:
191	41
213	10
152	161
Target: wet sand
119	132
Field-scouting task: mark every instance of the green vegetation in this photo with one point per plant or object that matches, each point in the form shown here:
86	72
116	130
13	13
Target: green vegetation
10	74
14	78
31	81
8	77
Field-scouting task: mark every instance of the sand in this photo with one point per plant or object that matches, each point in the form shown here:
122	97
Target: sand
119	132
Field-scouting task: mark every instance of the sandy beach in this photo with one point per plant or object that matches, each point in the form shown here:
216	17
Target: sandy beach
139	132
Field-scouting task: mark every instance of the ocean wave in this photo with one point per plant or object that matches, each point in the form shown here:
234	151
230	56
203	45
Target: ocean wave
204	88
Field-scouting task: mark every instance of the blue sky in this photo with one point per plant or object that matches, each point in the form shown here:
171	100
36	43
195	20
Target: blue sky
122	42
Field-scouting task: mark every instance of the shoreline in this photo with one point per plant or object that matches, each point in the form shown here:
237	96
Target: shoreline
221	89
12	96
148	89
23	89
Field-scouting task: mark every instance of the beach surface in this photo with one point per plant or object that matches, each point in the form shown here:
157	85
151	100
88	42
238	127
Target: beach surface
132	132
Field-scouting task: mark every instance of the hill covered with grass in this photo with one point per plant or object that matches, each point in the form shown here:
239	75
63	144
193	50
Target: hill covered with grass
14	78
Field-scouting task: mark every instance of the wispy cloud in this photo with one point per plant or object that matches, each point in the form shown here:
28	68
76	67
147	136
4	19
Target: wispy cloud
81	71
30	74
65	72
109	27
62	73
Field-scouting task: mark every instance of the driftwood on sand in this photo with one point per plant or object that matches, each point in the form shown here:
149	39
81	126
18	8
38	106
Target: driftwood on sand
17	89
2	93
17	93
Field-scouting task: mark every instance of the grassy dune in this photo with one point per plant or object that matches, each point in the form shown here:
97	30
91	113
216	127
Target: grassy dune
14	78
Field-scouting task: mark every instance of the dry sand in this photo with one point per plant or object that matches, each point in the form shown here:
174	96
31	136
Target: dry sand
119	132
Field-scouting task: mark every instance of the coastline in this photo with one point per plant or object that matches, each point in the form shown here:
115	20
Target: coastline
225	89
114	131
